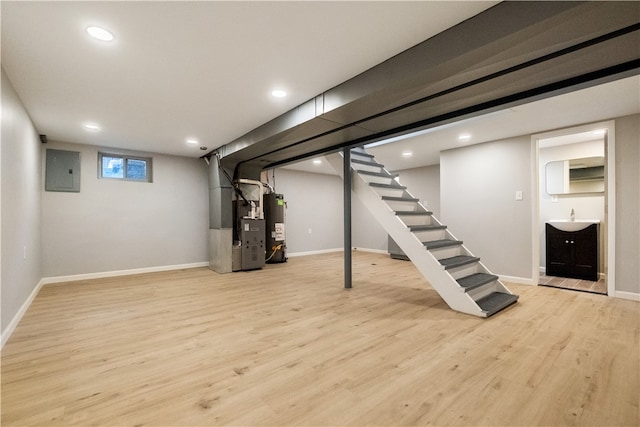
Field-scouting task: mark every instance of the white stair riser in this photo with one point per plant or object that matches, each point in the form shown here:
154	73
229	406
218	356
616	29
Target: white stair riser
483	290
402	206
393	192
458	273
448	252
463	271
377	179
368	168
363	157
428	236
415	219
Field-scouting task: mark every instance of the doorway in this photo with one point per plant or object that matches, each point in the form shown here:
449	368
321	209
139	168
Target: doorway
573	170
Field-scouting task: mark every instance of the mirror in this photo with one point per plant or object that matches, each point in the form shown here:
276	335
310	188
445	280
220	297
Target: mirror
575	176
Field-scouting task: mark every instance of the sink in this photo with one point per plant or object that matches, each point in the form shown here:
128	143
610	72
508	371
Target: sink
568	225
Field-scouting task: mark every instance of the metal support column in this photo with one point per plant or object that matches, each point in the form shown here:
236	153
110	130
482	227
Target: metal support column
346	173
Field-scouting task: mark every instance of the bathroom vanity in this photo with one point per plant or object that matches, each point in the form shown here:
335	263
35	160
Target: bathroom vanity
572	249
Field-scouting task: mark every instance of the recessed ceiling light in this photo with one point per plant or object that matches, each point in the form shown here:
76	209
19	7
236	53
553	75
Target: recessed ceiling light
191	141
317	162
278	93
407	154
464	137
100	34
91	126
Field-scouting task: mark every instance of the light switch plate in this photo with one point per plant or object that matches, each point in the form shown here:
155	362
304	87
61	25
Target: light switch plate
519	195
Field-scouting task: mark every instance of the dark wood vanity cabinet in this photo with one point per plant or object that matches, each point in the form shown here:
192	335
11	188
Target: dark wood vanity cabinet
572	253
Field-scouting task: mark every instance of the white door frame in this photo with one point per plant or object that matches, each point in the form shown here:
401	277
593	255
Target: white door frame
610	197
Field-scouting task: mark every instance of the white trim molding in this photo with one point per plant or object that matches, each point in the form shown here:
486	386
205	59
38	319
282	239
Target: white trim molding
327	251
372	251
6	334
632	296
103	274
516	280
318	252
18	317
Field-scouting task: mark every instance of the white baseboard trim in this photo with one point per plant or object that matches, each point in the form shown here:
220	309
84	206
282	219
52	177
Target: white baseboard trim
327	251
103	274
321	251
18	317
372	251
627	295
516	280
75	277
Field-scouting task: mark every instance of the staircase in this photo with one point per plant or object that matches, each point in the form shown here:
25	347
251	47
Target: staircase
459	277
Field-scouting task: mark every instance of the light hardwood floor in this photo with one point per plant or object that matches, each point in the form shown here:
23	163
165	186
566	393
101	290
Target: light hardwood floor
288	346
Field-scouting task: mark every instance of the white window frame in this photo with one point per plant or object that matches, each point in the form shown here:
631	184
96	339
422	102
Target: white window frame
125	158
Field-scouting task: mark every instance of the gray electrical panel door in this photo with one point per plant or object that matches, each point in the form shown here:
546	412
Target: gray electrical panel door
63	171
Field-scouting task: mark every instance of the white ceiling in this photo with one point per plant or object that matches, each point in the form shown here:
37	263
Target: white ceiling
197	69
598	103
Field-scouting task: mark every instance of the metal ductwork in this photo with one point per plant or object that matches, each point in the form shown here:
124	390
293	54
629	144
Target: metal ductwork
513	53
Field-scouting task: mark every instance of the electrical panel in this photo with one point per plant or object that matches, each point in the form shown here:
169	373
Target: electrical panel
62	171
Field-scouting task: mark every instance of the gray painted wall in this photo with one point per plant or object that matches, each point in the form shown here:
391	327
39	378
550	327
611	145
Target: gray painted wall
477	202
21	205
424	183
628	204
314	202
116	225
367	233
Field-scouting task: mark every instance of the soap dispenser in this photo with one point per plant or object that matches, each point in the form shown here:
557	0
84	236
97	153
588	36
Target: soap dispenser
573	215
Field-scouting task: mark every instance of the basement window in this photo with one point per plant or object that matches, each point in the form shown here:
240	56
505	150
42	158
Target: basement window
126	168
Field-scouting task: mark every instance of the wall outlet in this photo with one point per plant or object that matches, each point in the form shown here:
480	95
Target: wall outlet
519	195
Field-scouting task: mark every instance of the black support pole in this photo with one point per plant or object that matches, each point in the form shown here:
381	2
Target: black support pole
346	173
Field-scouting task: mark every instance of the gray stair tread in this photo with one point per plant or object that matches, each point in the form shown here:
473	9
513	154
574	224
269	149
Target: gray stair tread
364	162
381	174
444	243
417	213
400	199
427	227
458	261
496	301
389	186
476	280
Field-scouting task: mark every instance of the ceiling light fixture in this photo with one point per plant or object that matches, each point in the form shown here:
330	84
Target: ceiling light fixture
278	93
317	162
464	137
91	127
99	33
191	141
407	154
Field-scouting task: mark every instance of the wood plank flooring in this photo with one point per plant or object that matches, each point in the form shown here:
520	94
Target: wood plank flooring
286	345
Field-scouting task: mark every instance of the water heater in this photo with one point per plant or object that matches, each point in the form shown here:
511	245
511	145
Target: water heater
274	215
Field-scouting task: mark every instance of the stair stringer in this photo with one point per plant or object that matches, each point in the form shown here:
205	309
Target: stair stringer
441	281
